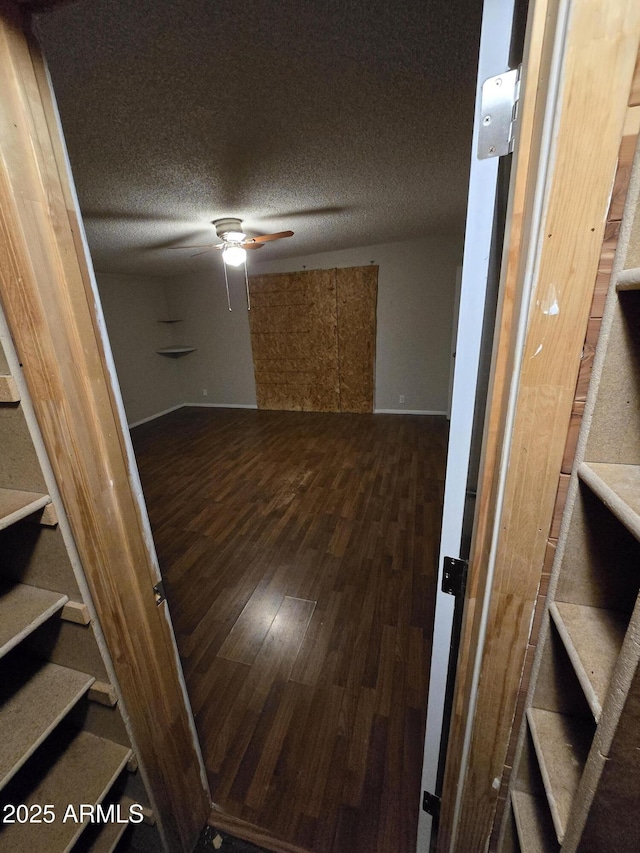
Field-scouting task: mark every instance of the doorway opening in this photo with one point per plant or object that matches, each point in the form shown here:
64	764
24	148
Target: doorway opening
299	549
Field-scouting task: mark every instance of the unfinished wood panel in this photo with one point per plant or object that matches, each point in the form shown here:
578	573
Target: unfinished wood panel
103	693
634	95
357	294
609	245
599	57
572	436
586	358
8	390
75	611
294	340
46	292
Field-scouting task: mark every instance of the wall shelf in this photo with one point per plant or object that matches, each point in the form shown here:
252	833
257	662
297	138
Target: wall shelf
104	838
593	637
175	351
562	744
533	824
23	609
80	769
618	487
15	505
33	703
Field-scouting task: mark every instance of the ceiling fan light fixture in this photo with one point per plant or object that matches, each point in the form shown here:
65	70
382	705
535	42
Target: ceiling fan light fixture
235	236
234	255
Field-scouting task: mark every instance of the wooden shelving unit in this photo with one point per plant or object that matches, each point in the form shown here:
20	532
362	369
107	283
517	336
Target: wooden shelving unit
64	741
576	779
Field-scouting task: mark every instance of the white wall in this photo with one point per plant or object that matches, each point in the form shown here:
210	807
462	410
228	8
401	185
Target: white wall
416	285
132	306
222	363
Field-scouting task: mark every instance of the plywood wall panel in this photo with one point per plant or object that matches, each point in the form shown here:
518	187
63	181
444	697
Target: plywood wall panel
357	293
313	339
294	338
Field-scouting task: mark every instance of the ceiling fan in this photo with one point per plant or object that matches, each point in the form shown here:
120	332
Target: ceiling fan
234	247
234	241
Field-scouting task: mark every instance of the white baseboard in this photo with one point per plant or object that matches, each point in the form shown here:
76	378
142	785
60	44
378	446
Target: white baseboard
253	406
157	415
407	412
222	405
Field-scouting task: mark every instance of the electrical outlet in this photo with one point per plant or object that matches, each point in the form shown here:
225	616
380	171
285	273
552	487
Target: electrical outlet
402	398
204	392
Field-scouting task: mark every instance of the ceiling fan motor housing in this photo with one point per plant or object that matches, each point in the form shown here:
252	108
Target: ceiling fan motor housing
229	226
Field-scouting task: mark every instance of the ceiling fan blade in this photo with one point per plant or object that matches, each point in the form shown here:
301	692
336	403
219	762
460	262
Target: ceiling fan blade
265	238
204	246
200	253
253	245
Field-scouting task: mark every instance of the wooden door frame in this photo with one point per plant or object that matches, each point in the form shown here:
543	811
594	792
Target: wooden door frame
50	301
565	164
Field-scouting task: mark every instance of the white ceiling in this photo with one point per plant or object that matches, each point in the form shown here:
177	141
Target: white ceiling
347	122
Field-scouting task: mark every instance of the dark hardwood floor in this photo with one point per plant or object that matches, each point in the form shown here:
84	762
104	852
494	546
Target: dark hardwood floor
299	554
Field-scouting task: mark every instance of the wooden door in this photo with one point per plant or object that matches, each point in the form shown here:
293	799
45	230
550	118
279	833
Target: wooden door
49	296
577	70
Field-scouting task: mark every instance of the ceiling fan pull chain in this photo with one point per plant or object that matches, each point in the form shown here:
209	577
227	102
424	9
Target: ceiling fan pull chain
246	282
226	281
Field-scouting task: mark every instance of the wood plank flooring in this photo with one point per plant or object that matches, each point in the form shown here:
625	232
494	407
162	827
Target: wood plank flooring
299	553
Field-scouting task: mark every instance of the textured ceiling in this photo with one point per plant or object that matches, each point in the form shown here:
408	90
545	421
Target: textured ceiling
347	122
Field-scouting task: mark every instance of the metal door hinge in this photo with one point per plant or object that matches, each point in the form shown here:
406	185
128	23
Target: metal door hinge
158	592
454	576
431	804
499	114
